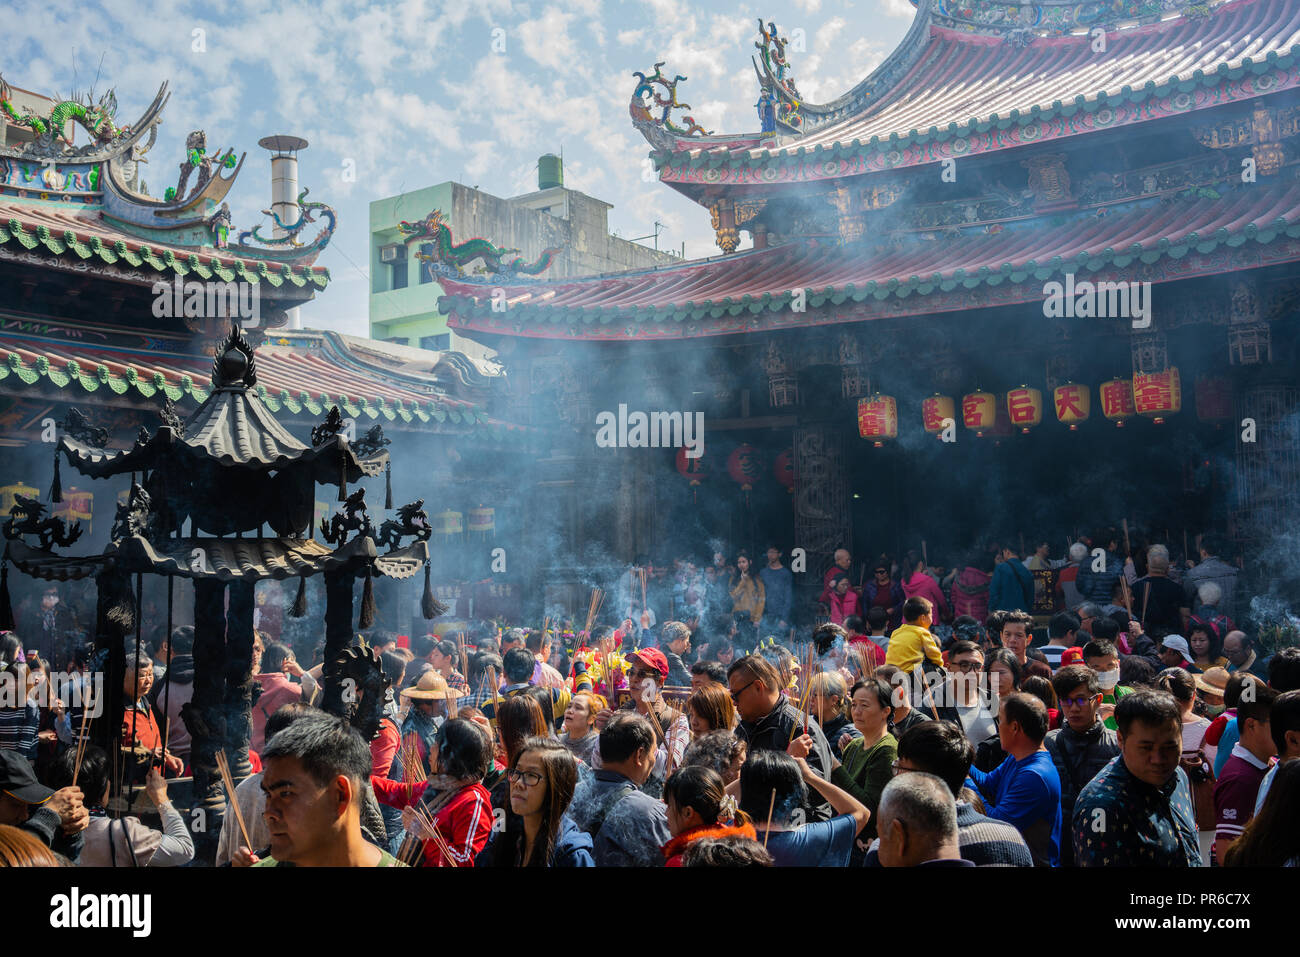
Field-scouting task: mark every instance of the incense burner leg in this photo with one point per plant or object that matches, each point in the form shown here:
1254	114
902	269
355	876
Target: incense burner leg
338	635
239	677
206	718
113	593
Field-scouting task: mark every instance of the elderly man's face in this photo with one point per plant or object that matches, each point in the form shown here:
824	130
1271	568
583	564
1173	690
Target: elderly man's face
842	558
1236	648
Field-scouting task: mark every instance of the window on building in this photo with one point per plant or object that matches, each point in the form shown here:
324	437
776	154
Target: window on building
398	274
426	249
438	343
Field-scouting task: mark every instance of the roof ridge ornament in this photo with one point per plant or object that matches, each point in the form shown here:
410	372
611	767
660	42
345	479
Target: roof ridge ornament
661	130
234	363
779	97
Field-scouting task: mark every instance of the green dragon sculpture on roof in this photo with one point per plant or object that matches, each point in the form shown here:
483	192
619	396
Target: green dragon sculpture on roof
95	118
450	258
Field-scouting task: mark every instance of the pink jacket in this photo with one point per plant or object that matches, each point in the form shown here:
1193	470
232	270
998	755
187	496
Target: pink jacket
844	606
277	691
970	594
922	584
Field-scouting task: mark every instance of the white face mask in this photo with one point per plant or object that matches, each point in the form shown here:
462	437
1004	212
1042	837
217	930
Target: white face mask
1108	679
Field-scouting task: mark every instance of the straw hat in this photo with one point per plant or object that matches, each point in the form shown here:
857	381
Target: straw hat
1213	681
431	687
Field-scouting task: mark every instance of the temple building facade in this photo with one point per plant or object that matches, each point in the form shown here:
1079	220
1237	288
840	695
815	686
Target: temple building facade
1037	270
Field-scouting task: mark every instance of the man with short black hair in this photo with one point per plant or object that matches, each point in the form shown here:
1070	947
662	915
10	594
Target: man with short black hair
1284	725
1137	812
1082	746
940	748
1243	773
518	667
769	721
918	823
1012	585
1062	633
1025	790
627	826
538	644
314	772
1017	633
707	672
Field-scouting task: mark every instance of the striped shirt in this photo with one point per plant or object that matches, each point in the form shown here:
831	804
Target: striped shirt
1235	793
1053	655
18	729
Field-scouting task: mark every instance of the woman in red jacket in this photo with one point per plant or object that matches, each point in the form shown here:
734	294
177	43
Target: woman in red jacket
454	797
699	807
844	600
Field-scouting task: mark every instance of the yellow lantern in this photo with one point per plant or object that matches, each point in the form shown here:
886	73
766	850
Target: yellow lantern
7	493
935	410
1157	394
482	519
878	418
1025	407
449	522
979	411
1116	400
1073	404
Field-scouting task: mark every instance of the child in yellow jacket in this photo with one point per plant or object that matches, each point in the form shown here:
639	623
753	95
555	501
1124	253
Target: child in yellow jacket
912	643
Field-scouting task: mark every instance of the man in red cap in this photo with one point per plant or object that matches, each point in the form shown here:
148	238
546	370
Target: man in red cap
647	673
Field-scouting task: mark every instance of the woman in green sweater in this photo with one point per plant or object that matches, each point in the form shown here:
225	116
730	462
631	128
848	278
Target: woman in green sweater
869	760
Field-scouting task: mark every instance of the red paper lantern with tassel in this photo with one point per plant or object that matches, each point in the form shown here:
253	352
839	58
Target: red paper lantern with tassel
783	470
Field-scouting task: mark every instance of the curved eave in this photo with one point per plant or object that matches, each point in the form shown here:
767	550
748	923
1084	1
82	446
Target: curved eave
1177	94
1247	241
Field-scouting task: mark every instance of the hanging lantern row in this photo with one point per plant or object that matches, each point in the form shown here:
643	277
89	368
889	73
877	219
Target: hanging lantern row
1155	395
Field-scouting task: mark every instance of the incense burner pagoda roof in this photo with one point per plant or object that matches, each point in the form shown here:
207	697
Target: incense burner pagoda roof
1159	240
954	89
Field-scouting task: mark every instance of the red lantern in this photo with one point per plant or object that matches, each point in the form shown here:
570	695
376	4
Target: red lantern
691	468
1117	400
783	470
979	411
1073	404
878	419
1025	408
742	466
1213	399
935	410
1157	394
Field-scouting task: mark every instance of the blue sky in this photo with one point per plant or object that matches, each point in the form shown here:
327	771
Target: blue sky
413	94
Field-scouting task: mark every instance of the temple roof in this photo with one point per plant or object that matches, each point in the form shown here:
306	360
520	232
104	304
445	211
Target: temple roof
1156	240
293	370
977	76
75	234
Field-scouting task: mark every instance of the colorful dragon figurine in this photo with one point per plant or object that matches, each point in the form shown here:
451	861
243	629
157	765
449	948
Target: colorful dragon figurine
448	257
95	118
771	49
307	214
640	108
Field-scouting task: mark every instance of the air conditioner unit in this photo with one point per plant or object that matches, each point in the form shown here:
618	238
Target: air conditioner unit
392	253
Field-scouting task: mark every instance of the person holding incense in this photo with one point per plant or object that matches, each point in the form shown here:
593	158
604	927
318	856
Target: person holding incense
450	816
699	808
428	710
139	727
538	832
773	792
869	760
125	841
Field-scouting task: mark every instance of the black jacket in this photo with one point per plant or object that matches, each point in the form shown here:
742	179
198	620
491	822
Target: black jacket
775	731
1078	758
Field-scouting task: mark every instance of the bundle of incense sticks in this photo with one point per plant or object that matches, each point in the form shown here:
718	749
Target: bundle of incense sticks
228	782
415	850
464	655
81	735
412	763
597	599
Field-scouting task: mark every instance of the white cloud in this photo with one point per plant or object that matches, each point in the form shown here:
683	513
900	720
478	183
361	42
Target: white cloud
546	40
898	8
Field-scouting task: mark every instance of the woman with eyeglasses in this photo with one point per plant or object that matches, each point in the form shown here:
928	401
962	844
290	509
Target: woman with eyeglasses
868	760
538	832
519	718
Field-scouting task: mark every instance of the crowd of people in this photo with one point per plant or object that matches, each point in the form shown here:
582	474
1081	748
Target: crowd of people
928	720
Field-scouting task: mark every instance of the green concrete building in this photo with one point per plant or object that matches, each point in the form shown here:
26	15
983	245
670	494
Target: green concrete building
403	296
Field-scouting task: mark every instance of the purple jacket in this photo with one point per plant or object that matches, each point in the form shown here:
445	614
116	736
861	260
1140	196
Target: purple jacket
896	599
